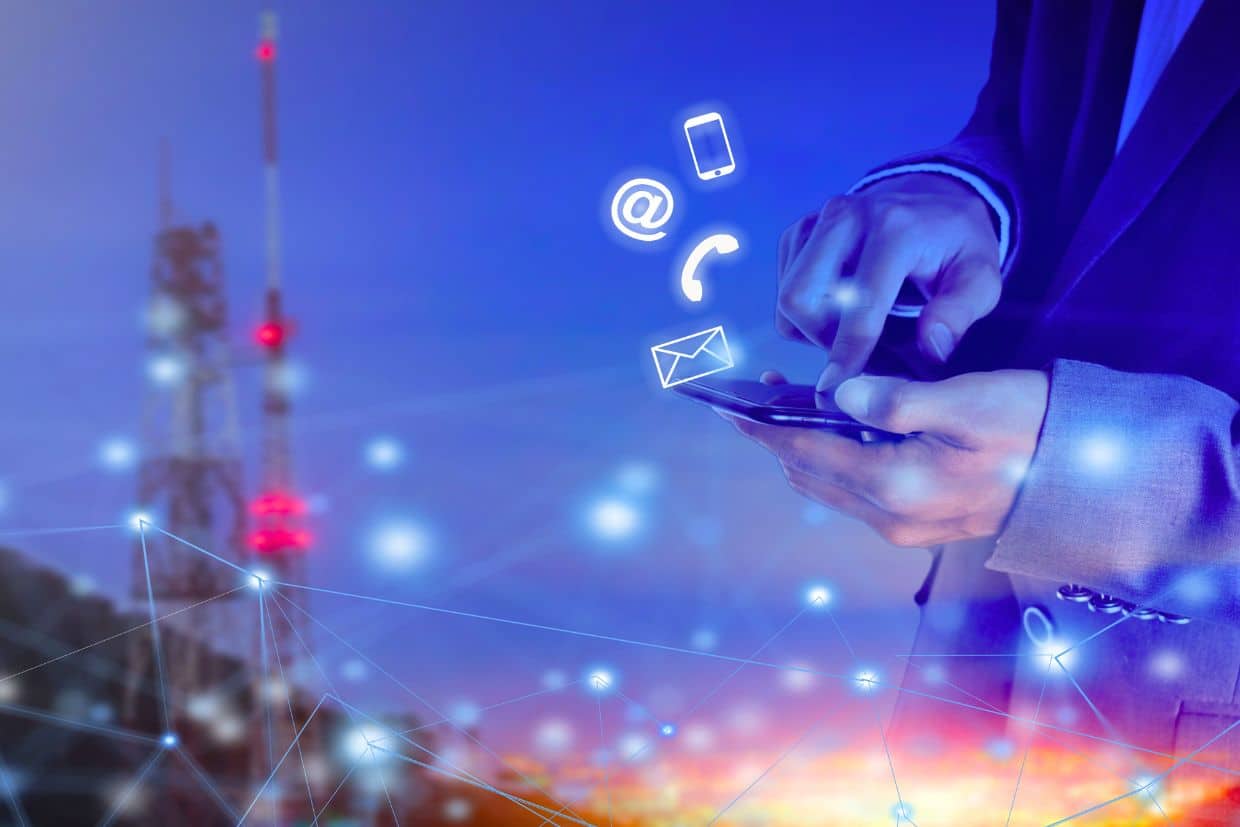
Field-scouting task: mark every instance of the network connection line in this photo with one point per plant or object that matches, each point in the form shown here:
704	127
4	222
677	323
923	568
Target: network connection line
42	532
267	782
1157	778
461	773
602	738
1141	786
15	805
266	678
155	641
124	797
417	697
497	705
787	751
206	782
882	732
1093	760
344	779
739	667
564	631
111	638
70	723
533	807
288	698
1029	744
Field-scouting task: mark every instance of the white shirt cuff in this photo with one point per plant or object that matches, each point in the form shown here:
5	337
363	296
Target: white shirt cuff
979	186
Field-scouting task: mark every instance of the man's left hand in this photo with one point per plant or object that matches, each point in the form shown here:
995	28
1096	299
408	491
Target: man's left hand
956	476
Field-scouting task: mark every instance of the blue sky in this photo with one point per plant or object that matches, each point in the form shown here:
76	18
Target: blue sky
456	289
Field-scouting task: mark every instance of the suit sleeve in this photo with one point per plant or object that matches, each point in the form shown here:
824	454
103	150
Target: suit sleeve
1134	491
988	148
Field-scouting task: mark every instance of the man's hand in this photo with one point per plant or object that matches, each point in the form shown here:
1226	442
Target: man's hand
840	269
955	478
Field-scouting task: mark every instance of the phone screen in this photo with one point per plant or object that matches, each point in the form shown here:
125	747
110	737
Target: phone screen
710	147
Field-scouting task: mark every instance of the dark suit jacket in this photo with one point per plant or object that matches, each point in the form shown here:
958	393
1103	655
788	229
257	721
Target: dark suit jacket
1125	283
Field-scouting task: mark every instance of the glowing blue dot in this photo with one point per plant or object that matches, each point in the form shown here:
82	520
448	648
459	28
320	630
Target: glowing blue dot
901	810
401	545
465	714
815	514
1015	469
667	730
169	740
353	670
259	579
704	640
818	596
638	477
1101	453
165	370
600	680
1000	749
138	520
384	454
117	454
845	295
554	679
866	680
613	519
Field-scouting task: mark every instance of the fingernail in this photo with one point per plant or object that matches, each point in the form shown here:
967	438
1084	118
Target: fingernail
941	340
854	397
829	377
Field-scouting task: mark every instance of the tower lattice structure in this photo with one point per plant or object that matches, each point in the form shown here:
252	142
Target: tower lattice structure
279	541
189	491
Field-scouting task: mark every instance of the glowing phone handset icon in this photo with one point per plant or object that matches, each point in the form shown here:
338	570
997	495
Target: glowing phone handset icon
721	243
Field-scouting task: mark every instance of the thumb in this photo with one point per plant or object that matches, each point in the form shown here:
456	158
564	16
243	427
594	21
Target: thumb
899	405
968	291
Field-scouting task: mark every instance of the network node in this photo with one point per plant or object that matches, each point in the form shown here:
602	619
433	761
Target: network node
902	811
139	520
818	596
613	519
169	740
1101	453
667	730
866	680
117	454
401	545
259	579
845	296
600	680
384	453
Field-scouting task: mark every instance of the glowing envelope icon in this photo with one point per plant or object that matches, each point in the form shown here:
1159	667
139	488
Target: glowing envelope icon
692	357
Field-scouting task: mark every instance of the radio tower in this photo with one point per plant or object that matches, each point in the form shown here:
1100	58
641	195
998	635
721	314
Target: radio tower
279	541
189	482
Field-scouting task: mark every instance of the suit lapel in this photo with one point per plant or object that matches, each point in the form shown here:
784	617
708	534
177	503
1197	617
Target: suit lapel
1201	77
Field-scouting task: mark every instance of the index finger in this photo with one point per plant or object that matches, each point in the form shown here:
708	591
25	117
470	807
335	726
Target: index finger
804	291
880	273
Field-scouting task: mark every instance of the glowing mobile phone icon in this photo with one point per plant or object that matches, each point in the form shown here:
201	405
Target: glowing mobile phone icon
709	146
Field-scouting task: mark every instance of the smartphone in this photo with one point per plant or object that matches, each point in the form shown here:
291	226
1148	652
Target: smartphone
709	146
799	406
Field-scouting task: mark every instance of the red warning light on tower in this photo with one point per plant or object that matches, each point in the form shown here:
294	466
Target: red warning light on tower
271	334
277	502
279	540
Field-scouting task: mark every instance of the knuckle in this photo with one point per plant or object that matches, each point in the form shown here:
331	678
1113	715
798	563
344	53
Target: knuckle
895	218
894	407
901	534
835	208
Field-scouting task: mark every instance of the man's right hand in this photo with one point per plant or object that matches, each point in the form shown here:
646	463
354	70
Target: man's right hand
840	269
